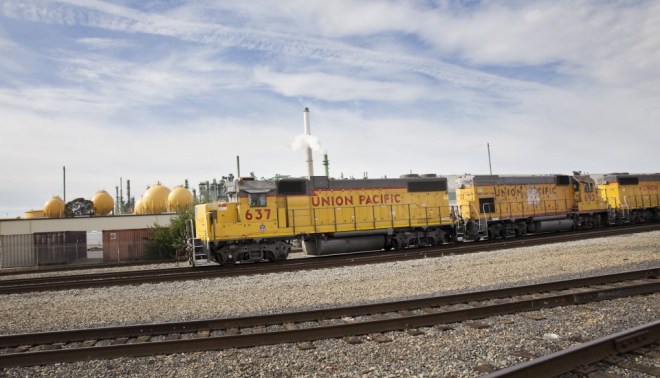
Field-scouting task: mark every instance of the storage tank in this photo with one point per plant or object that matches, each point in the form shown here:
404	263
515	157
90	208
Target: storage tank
179	199
103	203
154	200
54	208
137	209
32	214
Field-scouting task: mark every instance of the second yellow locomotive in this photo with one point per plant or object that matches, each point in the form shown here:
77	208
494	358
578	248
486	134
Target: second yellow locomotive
262	218
504	206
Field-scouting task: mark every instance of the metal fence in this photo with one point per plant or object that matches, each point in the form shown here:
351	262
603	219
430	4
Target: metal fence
52	249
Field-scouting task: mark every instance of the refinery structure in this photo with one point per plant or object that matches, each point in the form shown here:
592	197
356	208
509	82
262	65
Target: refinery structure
117	227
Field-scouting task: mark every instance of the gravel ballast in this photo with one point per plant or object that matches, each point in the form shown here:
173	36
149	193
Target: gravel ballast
457	351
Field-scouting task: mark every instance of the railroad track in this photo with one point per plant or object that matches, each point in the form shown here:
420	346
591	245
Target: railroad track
351	323
82	281
597	356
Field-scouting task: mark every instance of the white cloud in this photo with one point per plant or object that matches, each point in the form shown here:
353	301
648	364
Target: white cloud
160	92
338	88
105	43
122	19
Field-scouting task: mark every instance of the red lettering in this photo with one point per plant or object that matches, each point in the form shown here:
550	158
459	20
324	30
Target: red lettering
316	201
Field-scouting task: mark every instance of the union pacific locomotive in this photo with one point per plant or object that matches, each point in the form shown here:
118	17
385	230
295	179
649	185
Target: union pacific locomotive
261	219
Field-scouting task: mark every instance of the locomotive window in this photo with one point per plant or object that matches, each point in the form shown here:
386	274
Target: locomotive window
487	205
427	186
588	187
292	187
628	180
258	199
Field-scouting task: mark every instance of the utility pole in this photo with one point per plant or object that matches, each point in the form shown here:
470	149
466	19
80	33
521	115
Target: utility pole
490	167
64	181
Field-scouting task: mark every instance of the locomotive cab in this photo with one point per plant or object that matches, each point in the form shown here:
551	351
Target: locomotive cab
587	196
244	229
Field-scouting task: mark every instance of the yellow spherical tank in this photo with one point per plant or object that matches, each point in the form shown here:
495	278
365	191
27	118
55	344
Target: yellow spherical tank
103	203
154	200
32	214
54	208
180	199
137	209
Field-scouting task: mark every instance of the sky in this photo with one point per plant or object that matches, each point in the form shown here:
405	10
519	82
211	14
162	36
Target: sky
164	91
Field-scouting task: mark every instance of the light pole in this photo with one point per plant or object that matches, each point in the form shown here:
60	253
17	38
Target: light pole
490	167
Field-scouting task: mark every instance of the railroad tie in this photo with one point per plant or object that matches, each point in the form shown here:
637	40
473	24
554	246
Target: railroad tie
478	325
532	316
443	327
23	348
414	332
485	368
645	369
232	332
306	345
353	340
119	341
379	338
173	336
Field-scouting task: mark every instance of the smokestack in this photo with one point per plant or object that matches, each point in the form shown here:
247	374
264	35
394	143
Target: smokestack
128	196
64	181
121	195
310	162
238	166
326	163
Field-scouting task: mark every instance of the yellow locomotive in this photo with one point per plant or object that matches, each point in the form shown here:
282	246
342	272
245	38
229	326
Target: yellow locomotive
631	198
261	218
505	206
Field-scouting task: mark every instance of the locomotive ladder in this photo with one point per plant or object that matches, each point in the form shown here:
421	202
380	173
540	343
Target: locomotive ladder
625	210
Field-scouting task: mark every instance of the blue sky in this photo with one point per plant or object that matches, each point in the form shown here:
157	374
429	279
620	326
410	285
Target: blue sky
173	90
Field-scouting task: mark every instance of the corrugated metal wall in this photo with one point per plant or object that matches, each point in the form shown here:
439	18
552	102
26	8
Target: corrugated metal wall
17	251
65	247
124	245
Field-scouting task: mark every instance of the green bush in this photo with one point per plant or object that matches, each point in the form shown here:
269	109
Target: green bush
165	242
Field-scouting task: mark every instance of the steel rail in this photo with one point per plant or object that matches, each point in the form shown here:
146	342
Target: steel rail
584	354
321	262
7	272
407	320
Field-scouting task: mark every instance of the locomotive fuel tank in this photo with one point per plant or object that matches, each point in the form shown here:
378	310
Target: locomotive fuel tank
553	225
318	246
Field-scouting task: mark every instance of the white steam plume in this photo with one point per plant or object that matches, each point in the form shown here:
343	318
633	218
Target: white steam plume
303	141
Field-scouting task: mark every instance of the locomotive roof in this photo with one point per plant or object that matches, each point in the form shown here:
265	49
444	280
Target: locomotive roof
306	185
252	186
322	182
618	177
479	180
